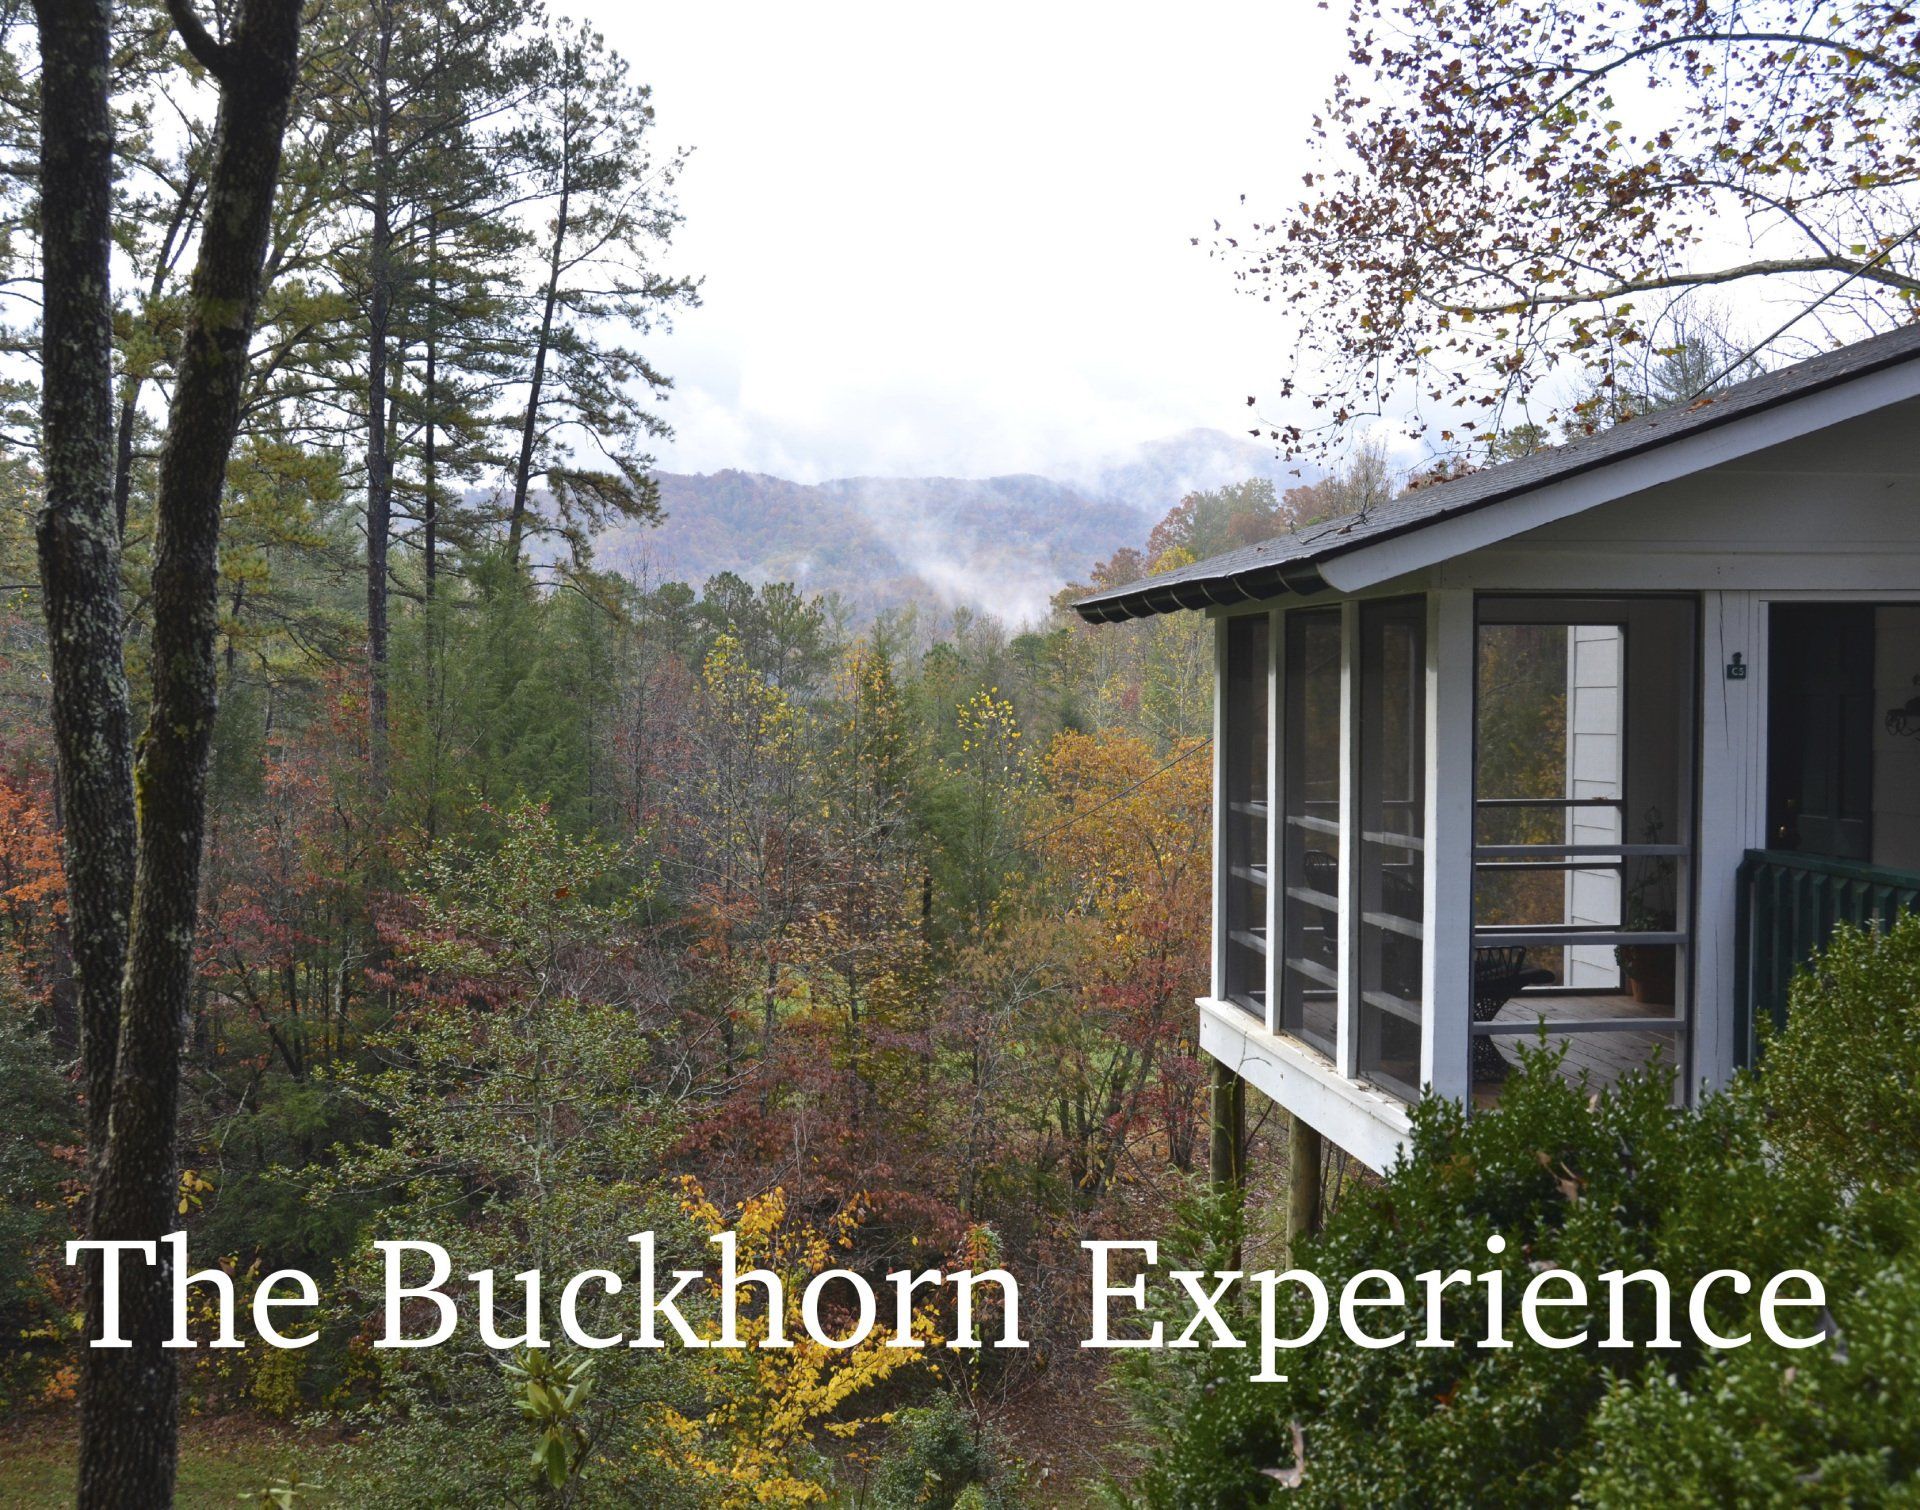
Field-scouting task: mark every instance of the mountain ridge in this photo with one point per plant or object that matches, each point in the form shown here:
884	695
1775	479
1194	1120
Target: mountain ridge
1002	544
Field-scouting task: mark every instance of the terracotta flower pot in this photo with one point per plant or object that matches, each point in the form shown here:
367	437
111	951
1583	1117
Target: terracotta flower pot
1650	974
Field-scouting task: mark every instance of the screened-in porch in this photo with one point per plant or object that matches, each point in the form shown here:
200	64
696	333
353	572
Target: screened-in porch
1596	744
1406	933
1454	824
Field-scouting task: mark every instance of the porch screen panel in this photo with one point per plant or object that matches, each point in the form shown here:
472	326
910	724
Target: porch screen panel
1245	836
1310	833
1586	739
1392	808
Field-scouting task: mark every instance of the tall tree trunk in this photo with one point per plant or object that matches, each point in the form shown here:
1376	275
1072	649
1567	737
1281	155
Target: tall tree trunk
129	1398
78	539
123	454
379	460
430	504
531	424
79	544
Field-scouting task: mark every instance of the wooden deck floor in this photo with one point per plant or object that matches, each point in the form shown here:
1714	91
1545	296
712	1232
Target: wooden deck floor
1604	1057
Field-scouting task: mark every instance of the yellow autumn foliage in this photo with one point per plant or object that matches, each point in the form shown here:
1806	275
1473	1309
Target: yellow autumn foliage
770	1411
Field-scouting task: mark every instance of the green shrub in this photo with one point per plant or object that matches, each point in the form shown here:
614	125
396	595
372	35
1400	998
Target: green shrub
37	1110
1807	1166
940	1457
1835	1425
1843	1080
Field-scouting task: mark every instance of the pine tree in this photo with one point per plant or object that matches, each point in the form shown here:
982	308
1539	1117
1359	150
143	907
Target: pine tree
590	163
422	87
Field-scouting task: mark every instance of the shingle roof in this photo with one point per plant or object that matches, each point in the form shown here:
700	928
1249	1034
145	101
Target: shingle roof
1290	561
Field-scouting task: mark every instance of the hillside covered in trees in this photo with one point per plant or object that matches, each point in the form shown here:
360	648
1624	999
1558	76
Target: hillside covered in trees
539	903
680	909
996	545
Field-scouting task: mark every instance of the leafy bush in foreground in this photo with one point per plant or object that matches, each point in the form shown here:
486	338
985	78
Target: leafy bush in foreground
940	1457
1842	1083
1751	1179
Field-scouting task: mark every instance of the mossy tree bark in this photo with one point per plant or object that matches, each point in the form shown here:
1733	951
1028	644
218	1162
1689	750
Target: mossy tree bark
79	541
135	899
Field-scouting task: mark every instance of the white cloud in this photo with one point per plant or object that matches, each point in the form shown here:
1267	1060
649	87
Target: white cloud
958	240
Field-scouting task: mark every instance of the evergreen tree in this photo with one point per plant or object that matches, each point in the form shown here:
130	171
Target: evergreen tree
589	395
422	89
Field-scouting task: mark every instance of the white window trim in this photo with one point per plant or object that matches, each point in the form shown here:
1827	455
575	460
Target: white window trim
1217	986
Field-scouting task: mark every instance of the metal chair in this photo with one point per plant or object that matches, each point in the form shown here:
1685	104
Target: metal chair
1500	973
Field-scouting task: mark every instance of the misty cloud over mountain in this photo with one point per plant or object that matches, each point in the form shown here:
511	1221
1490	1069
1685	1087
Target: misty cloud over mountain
1002	545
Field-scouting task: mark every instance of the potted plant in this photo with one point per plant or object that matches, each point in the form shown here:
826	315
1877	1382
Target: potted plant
1649	968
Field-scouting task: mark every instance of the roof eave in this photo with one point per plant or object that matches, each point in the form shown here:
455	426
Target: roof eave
1301	577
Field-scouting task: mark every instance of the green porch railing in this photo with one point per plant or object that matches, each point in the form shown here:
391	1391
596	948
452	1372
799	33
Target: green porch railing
1789	905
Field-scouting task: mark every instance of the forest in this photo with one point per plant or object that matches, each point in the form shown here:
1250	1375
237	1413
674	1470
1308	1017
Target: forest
539	907
683	909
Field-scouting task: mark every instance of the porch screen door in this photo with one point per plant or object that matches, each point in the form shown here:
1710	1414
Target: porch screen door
1392	810
1310	829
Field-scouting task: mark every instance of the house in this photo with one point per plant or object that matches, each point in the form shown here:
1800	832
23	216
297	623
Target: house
1602	739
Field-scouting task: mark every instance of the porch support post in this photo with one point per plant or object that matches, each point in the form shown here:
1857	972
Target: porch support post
1303	1182
1346	956
1732	821
1276	867
1227	1148
1447	972
1217	985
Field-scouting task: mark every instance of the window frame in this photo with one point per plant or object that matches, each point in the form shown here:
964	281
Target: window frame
1280	848
1225	986
1418	608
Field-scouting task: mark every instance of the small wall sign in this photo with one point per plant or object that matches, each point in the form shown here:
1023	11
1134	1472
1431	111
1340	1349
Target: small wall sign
1737	668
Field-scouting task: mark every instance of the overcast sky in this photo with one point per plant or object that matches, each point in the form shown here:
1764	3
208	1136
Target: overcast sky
958	240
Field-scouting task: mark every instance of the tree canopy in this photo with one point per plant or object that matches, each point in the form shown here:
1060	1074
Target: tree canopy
1506	192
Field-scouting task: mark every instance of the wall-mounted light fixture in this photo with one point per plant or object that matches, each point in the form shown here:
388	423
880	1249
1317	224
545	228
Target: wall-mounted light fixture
1905	720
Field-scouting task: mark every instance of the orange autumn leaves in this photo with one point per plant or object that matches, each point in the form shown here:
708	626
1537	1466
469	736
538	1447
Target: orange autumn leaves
1125	836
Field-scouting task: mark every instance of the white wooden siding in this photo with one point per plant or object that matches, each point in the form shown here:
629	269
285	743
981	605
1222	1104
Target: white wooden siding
1594	706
